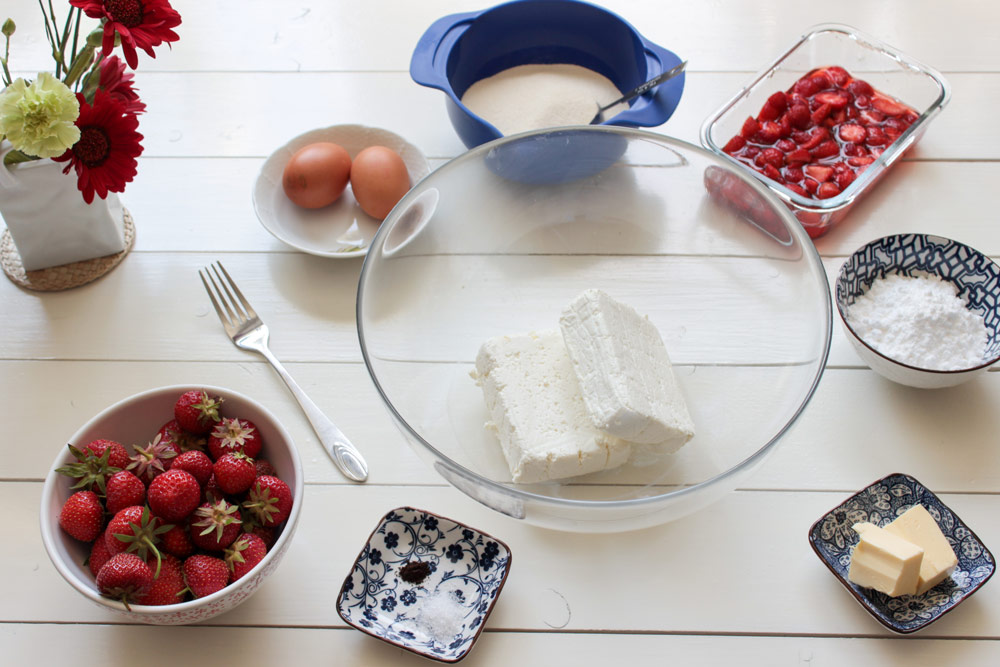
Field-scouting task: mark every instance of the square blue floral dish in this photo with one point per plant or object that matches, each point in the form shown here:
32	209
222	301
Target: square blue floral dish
425	583
832	538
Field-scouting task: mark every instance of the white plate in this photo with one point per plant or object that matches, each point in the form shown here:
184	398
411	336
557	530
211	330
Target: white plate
341	229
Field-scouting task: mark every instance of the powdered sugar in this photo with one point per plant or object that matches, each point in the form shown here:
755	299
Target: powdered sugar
531	97
919	321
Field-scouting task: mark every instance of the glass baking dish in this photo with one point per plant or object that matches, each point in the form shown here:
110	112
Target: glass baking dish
864	57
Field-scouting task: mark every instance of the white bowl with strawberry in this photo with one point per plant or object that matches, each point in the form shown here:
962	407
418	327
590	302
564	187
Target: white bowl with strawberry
173	505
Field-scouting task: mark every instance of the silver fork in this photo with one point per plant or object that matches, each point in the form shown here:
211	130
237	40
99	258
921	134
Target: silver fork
248	332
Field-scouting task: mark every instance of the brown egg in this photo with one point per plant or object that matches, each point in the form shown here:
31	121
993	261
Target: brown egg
317	174
378	179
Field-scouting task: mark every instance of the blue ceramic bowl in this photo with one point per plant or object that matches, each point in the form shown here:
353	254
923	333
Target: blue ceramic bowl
460	49
832	539
976	276
437	612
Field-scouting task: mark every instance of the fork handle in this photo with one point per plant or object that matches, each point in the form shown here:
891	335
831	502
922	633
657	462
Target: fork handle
345	455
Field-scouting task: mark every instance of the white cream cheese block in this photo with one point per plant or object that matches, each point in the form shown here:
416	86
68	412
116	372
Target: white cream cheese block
625	373
538	412
884	561
916	525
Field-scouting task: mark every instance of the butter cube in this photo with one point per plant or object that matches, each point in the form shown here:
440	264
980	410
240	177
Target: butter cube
916	525
885	561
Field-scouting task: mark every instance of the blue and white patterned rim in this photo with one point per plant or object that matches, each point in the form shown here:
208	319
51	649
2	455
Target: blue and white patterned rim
466	565
976	276
832	539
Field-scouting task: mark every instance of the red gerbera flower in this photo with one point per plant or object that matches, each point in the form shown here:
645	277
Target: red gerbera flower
105	155
118	83
140	23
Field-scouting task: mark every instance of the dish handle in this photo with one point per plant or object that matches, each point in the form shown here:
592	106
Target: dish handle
429	61
648	109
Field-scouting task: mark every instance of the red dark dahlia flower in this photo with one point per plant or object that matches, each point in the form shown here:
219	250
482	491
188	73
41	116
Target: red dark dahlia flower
140	23
118	83
105	155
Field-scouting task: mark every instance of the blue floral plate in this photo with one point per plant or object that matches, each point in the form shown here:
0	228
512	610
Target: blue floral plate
832	539
425	583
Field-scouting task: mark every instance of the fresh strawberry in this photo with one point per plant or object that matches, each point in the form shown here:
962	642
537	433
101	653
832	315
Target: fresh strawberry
196	411
874	136
798	116
820	113
772	172
135	530
269	501
244	554
211	492
837	99
174	494
177	541
123	490
82	516
169	587
205	575
214	526
234	435
117	456
153	459
771	156
793	174
195	462
799	157
838	75
845	178
785	145
125	577
263	467
234	472
185	440
92	468
768	133
99	555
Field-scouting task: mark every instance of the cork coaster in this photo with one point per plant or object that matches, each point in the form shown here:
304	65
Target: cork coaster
66	276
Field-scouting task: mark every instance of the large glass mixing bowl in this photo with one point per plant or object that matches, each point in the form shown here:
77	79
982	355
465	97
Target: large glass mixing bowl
502	238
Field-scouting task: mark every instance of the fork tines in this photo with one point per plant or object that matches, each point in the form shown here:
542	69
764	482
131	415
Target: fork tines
222	291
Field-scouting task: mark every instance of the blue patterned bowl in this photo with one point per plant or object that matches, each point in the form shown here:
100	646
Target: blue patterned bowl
832	539
976	276
438	612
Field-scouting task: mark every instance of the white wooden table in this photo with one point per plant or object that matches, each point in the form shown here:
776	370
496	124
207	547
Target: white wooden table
245	77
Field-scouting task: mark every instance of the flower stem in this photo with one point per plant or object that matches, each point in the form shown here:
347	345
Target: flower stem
15	156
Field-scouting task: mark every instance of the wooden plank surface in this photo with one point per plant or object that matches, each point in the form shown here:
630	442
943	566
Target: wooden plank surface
734	583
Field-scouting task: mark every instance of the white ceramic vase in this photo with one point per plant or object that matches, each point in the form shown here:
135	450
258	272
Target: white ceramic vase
48	219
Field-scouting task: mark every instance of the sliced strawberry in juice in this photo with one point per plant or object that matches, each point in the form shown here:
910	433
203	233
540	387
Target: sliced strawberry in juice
768	112
751	152
837	99
838	75
827	190
862	101
817	136
734	144
845	178
820	172
768	133
793	174
772	172
779	101
851	132
810	185
821	80
798	156
798	115
807	86
889	107
874	136
820	114
801	136
825	149
860	87
785	145
854	150
770	156
871	116
860	161
750	127
797	189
